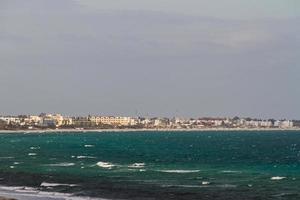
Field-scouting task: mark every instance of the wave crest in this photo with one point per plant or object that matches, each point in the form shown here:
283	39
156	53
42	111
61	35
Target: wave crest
106	165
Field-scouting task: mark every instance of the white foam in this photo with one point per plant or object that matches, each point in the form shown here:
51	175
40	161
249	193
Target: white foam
8	157
32	154
230	171
107	165
45	184
88	146
183	186
227	186
33	148
179	171
205	183
83	157
137	165
10	188
65	164
277	178
32	193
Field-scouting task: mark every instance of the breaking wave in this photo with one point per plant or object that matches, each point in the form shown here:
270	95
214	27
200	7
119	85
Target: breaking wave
277	178
106	165
61	164
137	165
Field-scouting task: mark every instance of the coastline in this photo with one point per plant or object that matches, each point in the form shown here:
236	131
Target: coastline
5	198
146	130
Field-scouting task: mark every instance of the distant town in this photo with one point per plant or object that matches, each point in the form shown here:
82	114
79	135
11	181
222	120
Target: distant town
57	121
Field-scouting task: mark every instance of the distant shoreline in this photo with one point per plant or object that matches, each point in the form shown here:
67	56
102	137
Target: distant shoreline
145	130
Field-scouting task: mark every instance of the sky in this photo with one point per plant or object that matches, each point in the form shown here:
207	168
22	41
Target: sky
164	58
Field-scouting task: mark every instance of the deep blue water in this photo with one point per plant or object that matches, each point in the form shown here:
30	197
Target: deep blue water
156	165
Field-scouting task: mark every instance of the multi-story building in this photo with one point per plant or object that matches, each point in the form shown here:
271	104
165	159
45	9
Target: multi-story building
110	120
50	120
33	120
284	124
83	122
2	124
11	120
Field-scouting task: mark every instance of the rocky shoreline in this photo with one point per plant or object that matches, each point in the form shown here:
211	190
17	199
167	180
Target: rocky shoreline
4	198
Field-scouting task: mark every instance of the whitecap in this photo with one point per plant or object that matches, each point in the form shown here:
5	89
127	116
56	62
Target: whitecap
230	171
88	146
8	157
33	148
32	154
83	157
107	165
183	186
284	195
137	165
277	178
227	186
205	183
65	164
179	171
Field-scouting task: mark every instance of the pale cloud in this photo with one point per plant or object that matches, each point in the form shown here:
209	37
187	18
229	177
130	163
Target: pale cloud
58	56
244	38
241	9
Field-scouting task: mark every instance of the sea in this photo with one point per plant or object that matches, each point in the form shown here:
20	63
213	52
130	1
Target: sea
210	165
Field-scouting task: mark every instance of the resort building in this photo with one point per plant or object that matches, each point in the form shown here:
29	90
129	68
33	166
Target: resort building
117	121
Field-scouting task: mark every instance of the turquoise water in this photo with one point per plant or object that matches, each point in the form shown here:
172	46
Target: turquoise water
155	165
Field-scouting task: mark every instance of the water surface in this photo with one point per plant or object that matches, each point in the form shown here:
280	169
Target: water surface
155	165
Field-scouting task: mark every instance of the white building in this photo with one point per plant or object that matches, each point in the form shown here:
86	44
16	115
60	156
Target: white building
10	120
284	124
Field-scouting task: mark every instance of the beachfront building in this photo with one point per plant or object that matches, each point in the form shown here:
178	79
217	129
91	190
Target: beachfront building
160	122
83	122
284	124
33	120
67	121
49	120
2	124
116	121
144	122
266	124
11	120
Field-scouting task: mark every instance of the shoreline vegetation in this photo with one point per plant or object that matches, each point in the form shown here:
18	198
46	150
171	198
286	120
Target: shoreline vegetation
145	130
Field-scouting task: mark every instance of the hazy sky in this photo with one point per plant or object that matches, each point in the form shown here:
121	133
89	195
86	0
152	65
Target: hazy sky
155	58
